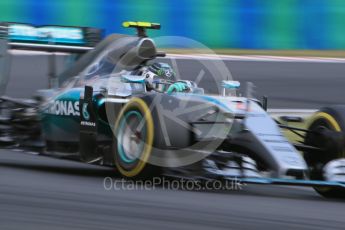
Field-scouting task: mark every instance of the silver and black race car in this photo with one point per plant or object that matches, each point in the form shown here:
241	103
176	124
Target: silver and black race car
104	114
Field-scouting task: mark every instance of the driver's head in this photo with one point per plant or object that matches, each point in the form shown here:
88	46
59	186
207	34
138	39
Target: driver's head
159	74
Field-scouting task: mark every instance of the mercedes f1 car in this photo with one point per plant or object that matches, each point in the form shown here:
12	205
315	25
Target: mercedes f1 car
103	114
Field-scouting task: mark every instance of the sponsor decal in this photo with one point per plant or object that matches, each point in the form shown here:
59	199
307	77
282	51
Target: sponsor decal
57	34
168	73
85	113
64	108
88	123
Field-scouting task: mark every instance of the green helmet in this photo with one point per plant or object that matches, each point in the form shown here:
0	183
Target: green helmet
162	70
159	73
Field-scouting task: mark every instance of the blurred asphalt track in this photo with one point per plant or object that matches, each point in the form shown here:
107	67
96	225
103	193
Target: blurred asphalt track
37	192
288	84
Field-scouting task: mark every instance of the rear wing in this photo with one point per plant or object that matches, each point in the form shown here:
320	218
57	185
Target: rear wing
46	38
50	38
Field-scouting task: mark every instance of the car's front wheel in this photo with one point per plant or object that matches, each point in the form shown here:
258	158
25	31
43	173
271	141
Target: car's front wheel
133	140
326	119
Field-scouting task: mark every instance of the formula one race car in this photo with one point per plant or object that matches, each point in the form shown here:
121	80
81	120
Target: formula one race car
104	114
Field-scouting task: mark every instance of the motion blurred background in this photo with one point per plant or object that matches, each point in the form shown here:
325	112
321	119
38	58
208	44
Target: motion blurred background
38	192
240	24
245	27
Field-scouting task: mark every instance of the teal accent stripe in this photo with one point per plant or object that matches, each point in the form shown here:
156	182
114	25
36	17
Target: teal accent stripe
283	181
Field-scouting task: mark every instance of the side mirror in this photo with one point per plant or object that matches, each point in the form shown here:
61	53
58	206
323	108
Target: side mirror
229	85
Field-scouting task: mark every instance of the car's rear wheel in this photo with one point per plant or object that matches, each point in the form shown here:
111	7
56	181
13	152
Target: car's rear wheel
133	140
328	118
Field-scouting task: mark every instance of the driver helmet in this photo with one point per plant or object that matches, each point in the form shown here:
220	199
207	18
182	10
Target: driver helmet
158	76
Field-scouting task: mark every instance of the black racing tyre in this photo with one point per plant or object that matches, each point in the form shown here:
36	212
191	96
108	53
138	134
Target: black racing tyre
133	140
332	118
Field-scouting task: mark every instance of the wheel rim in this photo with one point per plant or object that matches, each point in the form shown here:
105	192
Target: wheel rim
134	169
131	137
